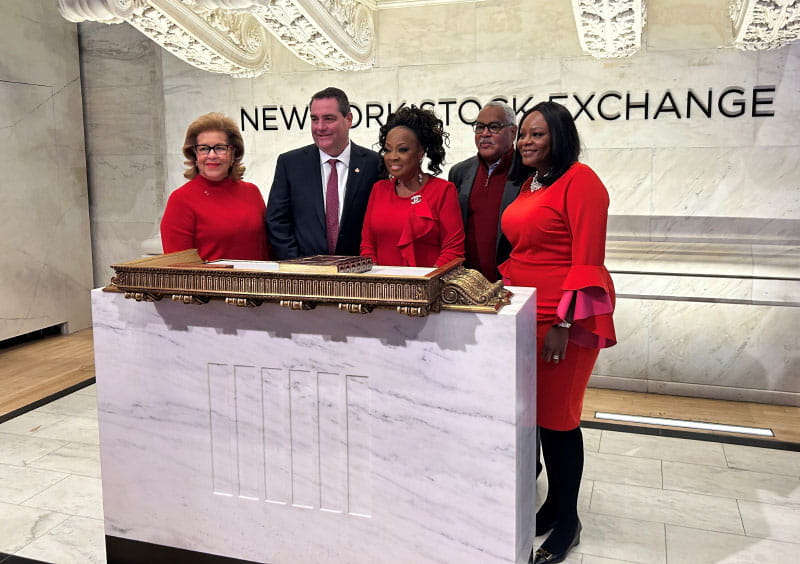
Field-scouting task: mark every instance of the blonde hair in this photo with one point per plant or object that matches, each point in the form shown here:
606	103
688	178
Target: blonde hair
214	121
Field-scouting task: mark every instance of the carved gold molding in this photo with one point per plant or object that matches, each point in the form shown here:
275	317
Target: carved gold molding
467	289
230	36
176	276
764	25
609	28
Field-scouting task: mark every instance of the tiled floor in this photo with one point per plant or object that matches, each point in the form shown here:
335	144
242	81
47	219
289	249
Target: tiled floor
645	498
51	507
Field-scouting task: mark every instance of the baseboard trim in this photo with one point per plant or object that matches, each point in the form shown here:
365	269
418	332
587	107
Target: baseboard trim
694	435
45	400
12	559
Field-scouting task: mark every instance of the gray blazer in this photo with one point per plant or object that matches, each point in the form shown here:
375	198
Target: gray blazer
463	176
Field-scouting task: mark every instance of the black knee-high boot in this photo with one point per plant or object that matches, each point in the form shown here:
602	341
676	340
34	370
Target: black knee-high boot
563	458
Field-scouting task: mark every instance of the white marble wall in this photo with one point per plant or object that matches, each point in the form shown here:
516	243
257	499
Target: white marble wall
45	255
672	169
700	184
122	88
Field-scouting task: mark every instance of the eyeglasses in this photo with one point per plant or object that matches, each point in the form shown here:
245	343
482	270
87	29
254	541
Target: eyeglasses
206	149
494	127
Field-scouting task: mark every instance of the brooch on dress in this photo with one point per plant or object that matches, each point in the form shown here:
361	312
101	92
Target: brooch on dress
416	198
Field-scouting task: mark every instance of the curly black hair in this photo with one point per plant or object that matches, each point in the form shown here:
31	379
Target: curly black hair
428	129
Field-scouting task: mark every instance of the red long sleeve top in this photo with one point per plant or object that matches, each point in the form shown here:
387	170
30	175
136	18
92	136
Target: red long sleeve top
424	229
558	235
220	219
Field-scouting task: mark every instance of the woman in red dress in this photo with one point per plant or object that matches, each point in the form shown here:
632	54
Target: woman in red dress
557	227
413	218
216	212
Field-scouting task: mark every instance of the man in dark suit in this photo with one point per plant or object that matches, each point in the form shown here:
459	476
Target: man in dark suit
319	195
484	189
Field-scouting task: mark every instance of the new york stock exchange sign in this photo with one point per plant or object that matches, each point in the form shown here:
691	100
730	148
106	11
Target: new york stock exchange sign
729	102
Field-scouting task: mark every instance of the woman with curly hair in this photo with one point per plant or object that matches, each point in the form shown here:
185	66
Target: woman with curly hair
216	212
413	218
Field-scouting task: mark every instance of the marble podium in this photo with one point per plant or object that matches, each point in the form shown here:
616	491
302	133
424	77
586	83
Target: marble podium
278	436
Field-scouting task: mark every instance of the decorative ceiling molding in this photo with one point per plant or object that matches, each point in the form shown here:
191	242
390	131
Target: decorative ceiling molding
229	36
609	28
760	24
387	4
334	34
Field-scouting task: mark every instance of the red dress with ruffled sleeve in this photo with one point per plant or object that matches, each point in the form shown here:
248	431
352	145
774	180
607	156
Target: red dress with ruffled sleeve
424	229
558	234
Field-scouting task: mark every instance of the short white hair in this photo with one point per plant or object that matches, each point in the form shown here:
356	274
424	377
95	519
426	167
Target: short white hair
507	110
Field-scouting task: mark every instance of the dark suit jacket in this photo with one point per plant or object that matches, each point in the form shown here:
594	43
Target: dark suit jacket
296	210
463	176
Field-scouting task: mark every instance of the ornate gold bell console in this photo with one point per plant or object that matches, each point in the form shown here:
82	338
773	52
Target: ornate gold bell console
186	278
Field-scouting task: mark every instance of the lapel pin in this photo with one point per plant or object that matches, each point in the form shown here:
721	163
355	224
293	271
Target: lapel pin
358	170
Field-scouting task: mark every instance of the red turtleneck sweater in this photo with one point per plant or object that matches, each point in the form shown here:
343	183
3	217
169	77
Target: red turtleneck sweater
222	220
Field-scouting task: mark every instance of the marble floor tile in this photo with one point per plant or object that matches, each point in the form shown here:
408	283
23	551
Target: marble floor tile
70	428
28	424
676	508
73	458
617	538
584	494
37	423
20	450
88	391
78	540
693	546
574	557
622	469
662	448
76	405
76	495
22	525
725	482
591	439
19	483
766	460
776	522
589	559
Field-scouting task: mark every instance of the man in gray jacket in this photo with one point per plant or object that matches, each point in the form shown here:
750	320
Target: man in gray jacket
484	189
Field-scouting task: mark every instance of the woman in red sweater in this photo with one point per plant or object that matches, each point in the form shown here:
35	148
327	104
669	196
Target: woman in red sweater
215	212
413	218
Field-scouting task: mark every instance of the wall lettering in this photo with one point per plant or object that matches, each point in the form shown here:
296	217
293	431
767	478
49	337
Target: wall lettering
727	102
